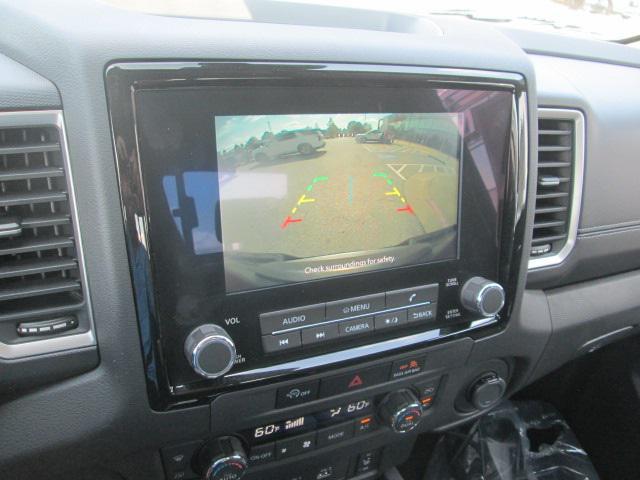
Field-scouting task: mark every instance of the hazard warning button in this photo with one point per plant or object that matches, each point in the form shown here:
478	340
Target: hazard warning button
355	380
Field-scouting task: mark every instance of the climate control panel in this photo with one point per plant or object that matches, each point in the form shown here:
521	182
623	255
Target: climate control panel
230	457
339	424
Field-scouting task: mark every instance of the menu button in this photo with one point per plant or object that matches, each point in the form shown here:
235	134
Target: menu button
355	306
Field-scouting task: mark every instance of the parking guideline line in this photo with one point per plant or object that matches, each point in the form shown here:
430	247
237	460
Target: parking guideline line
301	201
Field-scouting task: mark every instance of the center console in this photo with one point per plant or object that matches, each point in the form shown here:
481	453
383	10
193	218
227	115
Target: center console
313	249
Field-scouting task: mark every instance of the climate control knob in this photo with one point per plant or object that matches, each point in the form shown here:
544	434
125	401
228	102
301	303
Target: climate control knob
482	296
401	411
210	351
223	458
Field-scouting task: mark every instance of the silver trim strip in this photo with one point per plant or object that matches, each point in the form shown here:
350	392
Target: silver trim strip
353	353
54	118
578	180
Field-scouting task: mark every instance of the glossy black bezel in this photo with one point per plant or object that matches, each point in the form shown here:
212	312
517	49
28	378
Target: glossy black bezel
161	339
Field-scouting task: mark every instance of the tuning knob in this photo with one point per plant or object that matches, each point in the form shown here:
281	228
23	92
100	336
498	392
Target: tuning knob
210	351
401	411
223	458
487	391
482	296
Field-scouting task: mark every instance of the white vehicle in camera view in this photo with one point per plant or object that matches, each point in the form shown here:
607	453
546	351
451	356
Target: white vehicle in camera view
302	142
374	136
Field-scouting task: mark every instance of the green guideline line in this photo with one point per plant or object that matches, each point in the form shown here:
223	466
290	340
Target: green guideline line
383	175
316	180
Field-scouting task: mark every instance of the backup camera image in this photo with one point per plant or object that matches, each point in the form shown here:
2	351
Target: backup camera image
306	197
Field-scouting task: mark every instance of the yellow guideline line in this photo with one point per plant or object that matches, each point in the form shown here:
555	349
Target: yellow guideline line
394	192
304	199
294	210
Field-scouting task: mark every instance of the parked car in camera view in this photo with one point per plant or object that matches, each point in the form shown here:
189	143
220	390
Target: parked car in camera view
374	136
302	142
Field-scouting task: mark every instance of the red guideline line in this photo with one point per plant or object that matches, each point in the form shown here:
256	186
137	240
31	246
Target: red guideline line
289	220
406	208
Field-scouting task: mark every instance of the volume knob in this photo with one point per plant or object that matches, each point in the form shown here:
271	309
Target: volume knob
210	351
482	296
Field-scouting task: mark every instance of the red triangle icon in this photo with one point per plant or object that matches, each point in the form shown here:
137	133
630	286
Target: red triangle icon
355	382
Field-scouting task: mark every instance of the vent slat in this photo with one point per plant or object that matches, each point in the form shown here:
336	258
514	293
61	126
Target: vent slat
554	164
20	268
32	198
38	244
554	132
46	221
558	209
551	195
549	224
29	174
35	288
553	148
33	148
548	239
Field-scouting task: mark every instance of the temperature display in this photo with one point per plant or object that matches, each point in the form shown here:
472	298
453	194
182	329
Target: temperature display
306	423
348	410
290	426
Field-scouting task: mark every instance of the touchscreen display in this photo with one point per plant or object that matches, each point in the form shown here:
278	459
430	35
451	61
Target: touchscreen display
307	197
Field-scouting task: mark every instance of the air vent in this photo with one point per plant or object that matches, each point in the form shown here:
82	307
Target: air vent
559	187
41	276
